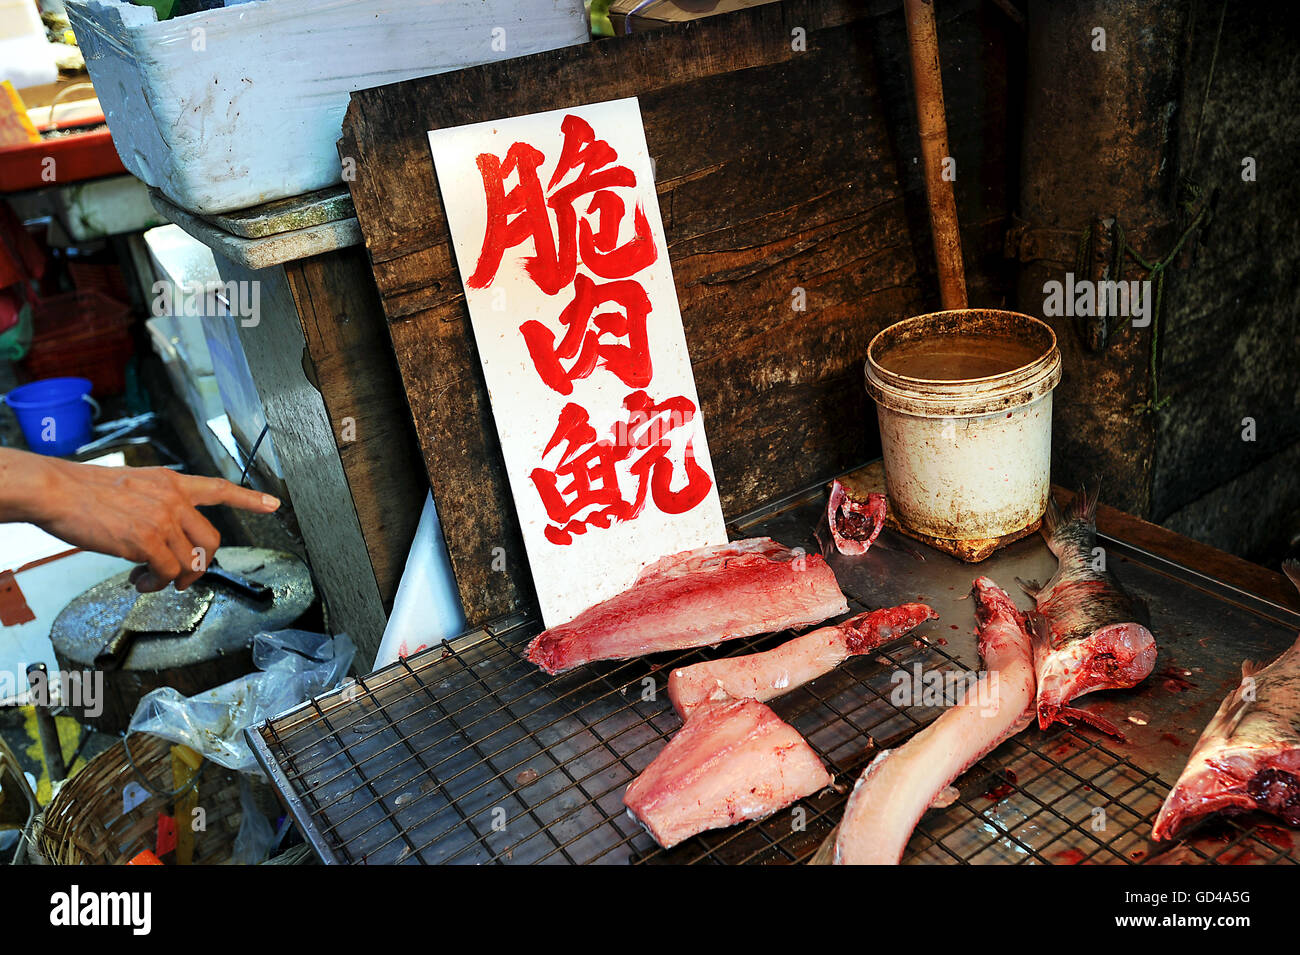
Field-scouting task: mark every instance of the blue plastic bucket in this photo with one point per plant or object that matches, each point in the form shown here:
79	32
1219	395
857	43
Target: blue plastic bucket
55	414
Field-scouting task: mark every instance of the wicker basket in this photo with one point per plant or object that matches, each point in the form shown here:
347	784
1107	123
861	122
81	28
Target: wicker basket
85	822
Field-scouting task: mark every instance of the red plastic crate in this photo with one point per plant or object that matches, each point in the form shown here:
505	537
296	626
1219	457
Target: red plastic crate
104	277
81	335
79	156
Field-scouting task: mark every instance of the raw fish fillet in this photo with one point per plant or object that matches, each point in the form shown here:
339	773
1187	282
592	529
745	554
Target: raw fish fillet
732	761
1248	757
900	784
1087	630
761	676
697	598
855	525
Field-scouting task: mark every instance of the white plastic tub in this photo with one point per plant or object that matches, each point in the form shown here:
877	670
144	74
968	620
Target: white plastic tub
966	458
26	57
234	107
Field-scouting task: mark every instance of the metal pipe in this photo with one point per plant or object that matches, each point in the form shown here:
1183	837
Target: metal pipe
47	729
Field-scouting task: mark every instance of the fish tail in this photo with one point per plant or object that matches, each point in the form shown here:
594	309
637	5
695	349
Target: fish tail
1084	505
1292	569
1066	528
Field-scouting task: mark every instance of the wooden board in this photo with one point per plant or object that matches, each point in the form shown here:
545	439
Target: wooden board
264	252
287	215
305	433
778	173
349	362
312	244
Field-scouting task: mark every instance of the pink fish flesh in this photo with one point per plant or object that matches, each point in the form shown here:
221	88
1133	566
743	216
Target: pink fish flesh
900	784
762	676
1248	757
855	525
1086	630
697	598
732	761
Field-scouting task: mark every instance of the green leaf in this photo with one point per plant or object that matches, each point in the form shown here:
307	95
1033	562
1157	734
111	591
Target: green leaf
162	7
600	22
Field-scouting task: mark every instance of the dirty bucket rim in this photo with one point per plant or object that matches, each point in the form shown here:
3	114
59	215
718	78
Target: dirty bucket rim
930	316
963	397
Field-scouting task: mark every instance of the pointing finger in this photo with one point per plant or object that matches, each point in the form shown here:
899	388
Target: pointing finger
208	491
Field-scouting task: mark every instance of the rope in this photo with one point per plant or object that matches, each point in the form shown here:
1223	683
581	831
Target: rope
1209	81
1156	270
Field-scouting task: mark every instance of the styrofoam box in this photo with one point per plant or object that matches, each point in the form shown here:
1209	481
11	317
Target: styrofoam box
20	18
237	106
188	266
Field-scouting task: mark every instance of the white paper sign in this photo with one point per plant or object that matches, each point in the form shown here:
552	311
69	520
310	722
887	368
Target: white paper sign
556	229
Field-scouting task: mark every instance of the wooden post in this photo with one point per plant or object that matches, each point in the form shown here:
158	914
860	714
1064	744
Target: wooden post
932	123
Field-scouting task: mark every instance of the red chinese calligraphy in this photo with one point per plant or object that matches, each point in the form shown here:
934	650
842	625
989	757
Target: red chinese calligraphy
584	488
571	228
524	212
582	343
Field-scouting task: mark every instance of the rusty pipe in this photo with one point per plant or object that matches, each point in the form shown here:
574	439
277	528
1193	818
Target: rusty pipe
923	43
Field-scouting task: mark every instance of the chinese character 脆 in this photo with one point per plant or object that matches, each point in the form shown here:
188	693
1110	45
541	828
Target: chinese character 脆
524	212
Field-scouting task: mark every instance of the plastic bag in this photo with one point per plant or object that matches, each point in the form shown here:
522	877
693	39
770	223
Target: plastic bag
295	666
256	837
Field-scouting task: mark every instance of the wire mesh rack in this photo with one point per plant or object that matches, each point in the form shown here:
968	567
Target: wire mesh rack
467	753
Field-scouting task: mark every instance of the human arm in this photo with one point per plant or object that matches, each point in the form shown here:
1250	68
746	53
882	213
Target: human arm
148	515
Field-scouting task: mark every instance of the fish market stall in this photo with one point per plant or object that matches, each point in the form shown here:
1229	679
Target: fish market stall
468	753
780	432
553	730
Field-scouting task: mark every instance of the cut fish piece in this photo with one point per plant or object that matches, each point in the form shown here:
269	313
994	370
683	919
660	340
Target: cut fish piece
698	598
855	524
900	784
1248	757
732	761
1088	631
762	676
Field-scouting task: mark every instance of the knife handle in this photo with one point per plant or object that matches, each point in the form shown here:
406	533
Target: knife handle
250	588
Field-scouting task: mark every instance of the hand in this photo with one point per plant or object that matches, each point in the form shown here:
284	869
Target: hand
148	515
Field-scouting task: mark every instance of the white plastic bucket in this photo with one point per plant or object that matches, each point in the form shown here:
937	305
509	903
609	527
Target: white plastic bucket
966	458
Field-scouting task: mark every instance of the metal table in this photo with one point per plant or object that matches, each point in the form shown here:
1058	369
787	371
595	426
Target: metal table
468	753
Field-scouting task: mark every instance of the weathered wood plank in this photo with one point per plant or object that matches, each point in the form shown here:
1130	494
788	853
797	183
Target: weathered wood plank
287	215
305	444
778	169
267	251
350	363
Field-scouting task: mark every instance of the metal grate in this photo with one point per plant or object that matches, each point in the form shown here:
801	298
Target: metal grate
470	754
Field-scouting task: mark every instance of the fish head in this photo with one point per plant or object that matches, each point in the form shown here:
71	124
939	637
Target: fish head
1210	787
991	602
1118	656
854	523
